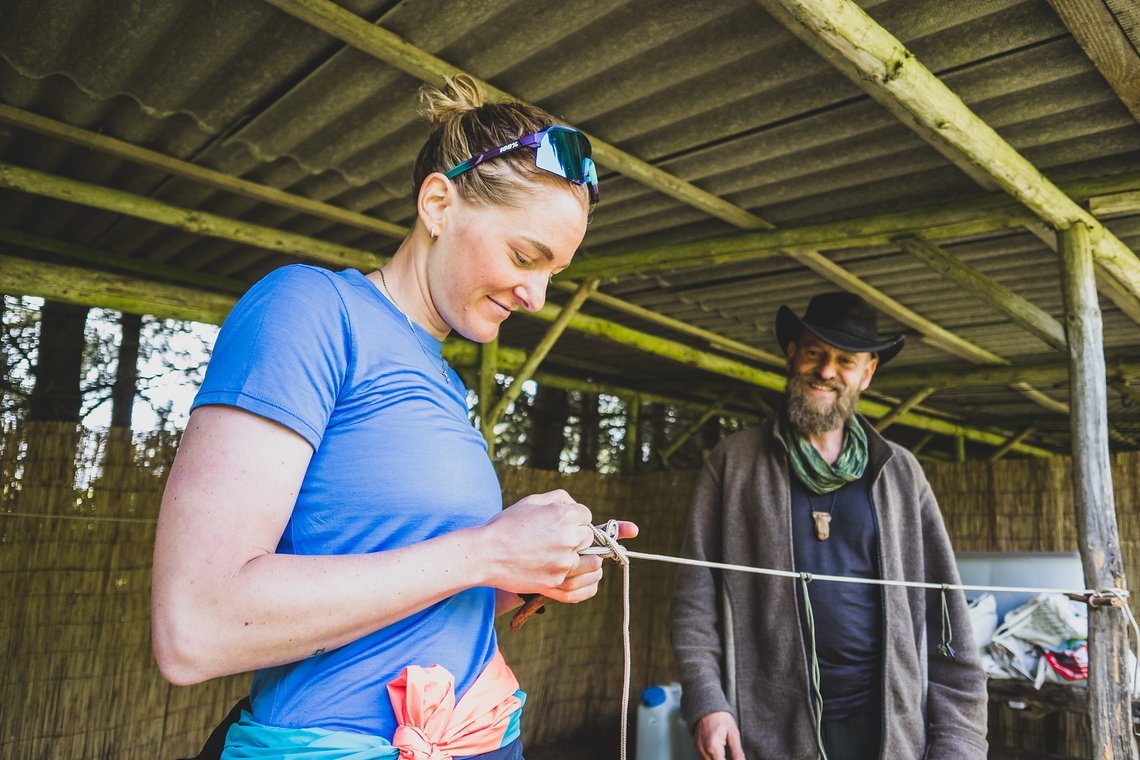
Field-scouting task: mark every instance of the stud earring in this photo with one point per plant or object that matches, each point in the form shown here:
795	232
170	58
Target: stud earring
433	233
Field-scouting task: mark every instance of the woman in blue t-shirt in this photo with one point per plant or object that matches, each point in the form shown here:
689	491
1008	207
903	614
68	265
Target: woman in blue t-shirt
332	520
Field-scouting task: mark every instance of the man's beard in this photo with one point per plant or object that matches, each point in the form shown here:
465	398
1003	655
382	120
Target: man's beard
816	416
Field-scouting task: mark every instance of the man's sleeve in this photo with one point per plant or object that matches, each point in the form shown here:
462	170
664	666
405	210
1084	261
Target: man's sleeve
956	702
696	620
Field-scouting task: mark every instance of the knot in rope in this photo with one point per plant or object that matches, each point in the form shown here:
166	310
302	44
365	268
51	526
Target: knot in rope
1109	597
414	744
606	544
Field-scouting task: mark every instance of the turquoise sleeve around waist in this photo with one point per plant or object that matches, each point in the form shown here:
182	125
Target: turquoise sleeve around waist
249	740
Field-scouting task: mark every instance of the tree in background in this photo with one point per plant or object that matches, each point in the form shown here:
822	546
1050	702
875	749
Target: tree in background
549	417
121	358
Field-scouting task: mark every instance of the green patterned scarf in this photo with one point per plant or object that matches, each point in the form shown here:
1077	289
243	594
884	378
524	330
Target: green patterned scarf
817	474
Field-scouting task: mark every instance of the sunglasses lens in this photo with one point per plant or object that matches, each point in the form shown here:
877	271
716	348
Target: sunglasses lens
591	180
564	152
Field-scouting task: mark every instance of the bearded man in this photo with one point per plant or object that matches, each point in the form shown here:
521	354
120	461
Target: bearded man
789	669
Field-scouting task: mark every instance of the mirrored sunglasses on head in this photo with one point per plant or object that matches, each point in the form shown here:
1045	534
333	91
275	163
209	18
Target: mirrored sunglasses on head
559	150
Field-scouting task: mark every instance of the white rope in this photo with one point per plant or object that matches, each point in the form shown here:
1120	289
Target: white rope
606	545
1121	593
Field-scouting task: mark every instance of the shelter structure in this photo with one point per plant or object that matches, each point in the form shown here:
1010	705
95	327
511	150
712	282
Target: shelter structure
972	169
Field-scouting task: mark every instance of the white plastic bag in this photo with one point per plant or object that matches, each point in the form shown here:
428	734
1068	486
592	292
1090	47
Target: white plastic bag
983	619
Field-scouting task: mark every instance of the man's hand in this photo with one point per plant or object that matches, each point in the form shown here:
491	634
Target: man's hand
714	732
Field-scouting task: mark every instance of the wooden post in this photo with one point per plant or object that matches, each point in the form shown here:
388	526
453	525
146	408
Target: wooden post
488	366
959	448
633	411
1110	700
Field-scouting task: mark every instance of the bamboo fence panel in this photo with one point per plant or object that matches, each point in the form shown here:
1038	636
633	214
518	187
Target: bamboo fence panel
77	512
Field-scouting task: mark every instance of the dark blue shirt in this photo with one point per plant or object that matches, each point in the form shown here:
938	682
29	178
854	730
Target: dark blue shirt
848	616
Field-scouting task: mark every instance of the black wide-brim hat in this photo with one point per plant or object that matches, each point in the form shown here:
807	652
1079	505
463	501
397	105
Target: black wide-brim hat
843	320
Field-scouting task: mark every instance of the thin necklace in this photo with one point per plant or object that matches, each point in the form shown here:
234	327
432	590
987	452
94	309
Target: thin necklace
412	327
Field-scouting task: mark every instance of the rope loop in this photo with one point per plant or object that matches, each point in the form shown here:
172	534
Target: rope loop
946	648
606	543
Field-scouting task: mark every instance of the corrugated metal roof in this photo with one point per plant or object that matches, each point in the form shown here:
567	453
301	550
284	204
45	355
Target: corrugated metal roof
719	95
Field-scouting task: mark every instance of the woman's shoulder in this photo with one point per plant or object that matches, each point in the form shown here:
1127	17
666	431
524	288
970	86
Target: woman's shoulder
302	278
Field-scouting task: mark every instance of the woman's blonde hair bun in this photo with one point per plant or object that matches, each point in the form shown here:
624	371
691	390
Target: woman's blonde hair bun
464	123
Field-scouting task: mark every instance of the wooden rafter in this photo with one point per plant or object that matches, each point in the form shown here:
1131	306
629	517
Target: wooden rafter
236	230
1023	313
74	285
1036	374
397	52
196	173
877	61
1100	33
992	212
246	188
539	352
1028	316
197	222
892	416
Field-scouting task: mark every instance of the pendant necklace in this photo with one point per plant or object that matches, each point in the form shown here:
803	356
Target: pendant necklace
412	327
822	519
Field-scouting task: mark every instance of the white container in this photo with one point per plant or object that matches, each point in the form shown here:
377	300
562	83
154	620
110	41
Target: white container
661	731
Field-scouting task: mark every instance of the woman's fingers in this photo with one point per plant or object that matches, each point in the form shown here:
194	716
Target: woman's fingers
627	529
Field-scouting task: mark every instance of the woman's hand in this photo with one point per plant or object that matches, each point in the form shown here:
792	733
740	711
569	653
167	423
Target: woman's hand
581	583
535	544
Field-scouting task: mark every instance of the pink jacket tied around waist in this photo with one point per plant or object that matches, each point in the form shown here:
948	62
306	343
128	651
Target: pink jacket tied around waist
433	727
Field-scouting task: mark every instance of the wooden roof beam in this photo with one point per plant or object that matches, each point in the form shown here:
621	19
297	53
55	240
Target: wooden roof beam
253	190
714	340
879	63
892	416
1029	317
197	222
211	224
236	230
1013	441
1097	29
1107	285
196	173
992	212
75	285
401	54
1037	374
115	261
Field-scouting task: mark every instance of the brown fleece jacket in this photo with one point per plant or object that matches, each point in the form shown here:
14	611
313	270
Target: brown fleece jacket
934	708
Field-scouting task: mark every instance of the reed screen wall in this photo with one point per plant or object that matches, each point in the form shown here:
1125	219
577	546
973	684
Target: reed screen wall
77	516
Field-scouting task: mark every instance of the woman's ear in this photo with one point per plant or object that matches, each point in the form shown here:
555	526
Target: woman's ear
436	195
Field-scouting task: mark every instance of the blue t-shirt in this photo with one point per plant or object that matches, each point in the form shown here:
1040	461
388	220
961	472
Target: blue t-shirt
396	461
